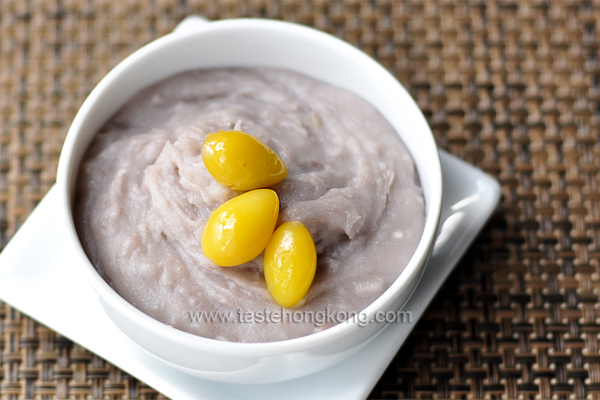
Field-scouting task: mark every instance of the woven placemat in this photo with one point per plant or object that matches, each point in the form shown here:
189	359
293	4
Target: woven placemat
510	86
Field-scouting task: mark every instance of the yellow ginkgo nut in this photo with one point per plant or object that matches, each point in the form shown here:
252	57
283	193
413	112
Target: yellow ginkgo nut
239	229
241	161
290	262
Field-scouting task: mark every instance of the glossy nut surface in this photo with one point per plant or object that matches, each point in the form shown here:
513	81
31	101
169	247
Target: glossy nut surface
239	229
241	162
290	262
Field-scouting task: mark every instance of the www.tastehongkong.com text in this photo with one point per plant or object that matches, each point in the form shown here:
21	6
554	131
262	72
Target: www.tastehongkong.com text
283	315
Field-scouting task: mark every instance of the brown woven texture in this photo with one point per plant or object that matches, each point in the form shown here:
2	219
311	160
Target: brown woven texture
510	86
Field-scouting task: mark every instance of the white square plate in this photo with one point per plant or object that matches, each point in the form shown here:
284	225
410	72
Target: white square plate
36	265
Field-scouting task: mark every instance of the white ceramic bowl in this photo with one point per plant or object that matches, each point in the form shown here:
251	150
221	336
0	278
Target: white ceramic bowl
248	43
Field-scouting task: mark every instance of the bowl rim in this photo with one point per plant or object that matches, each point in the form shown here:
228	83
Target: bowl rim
410	273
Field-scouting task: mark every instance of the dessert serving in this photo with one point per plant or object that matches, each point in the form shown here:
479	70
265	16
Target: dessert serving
144	195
